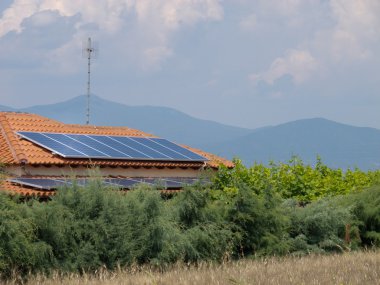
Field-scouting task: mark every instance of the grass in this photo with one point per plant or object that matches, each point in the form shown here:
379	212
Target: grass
349	268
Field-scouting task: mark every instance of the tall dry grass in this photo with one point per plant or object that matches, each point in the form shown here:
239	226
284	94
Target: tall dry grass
349	268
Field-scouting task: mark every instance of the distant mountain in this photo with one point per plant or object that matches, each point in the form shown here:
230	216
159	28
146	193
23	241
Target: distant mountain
339	145
6	108
161	121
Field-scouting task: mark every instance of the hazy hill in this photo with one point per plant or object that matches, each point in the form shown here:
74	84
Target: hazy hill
161	121
6	108
339	145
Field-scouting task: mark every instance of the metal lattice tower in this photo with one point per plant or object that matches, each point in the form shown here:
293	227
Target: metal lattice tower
88	51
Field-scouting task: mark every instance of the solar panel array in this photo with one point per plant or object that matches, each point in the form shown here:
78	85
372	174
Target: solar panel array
123	183
111	147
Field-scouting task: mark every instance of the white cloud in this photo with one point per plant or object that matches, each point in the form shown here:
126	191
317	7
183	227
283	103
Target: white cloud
357	28
158	20
154	21
341	33
299	64
110	14
284	7
155	55
13	16
249	22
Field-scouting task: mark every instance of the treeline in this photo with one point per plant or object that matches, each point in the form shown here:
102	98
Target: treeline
244	212
296	180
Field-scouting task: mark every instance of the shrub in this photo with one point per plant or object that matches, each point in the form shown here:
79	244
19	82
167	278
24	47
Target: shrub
319	226
242	214
365	207
20	250
295	179
259	222
205	233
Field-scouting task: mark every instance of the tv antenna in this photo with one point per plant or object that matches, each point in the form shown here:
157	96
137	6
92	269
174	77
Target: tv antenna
89	51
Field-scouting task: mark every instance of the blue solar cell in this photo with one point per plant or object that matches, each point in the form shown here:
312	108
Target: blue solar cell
136	144
173	183
162	149
121	147
185	152
155	182
126	183
80	181
188	181
111	147
46	142
96	143
123	183
77	145
47	184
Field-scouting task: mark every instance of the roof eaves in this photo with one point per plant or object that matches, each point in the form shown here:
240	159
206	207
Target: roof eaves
12	141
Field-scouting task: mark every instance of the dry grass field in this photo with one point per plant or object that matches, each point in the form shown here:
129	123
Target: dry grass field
349	268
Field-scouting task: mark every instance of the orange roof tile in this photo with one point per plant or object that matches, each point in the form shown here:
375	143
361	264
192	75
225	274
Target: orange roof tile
15	189
14	150
214	160
26	191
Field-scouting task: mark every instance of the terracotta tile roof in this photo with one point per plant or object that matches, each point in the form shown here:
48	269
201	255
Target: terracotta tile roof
14	150
6	155
26	191
214	160
15	189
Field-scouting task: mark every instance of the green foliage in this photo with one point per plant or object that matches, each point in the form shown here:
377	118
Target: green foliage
319	226
295	179
205	233
191	207
365	206
20	250
259	222
94	226
280	209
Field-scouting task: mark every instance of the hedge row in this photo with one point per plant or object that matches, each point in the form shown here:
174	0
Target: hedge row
84	228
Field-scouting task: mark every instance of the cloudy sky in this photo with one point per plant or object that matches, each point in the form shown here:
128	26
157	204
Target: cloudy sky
248	63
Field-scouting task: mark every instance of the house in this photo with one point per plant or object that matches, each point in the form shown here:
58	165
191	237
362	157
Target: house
39	154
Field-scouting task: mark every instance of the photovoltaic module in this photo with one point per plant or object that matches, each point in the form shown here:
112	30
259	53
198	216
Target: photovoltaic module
111	147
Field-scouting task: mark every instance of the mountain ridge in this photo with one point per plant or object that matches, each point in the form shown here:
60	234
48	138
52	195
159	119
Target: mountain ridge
162	121
339	145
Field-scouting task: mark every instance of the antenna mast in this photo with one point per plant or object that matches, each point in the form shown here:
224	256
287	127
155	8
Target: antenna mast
88	51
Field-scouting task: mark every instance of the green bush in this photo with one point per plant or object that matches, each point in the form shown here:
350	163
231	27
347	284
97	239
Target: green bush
20	250
259	222
365	206
205	233
319	226
243	213
295	179
94	226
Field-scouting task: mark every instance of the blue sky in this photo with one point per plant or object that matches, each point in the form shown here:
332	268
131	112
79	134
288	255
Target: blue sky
241	62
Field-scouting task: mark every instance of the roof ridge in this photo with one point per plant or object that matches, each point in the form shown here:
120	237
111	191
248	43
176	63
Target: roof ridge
16	112
76	126
10	138
110	128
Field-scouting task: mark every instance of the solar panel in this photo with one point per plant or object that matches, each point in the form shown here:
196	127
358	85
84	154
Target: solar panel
174	147
45	184
123	183
111	147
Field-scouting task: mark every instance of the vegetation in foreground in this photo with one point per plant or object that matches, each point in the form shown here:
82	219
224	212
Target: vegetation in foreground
349	268
244	213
